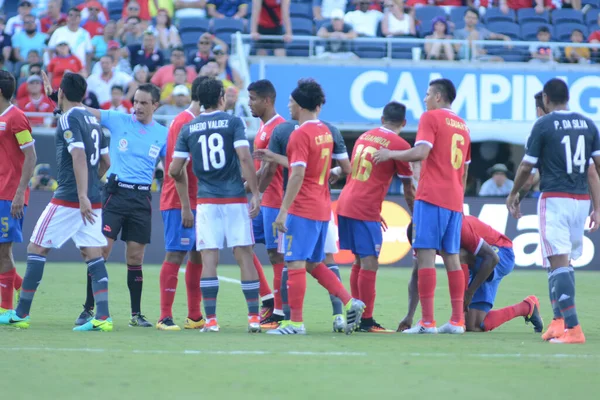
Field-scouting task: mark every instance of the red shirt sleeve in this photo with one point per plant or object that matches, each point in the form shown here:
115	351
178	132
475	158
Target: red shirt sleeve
468	158
298	149
402	168
469	239
105	106
427	129
78	64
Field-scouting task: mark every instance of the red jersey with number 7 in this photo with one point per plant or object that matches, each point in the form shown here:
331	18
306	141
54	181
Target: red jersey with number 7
273	196
440	182
368	184
310	146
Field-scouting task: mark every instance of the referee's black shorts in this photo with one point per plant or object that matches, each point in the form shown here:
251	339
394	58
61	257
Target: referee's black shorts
128	211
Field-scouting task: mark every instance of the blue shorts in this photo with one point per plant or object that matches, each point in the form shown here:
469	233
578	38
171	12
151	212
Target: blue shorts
484	297
178	238
11	230
263	229
305	239
363	238
436	228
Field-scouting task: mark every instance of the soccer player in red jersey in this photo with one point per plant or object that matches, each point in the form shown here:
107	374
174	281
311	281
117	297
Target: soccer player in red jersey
359	205
308	202
180	235
262	104
443	146
17	159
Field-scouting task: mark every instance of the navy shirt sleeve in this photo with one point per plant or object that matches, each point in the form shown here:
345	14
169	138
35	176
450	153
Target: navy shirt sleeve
103	143
596	140
275	143
71	131
239	133
534	143
182	148
340	151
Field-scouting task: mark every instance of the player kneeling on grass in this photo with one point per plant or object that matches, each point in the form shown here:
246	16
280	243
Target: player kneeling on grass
216	143
487	257
82	158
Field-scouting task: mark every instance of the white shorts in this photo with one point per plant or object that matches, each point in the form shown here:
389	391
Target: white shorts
562	223
217	223
332	238
57	224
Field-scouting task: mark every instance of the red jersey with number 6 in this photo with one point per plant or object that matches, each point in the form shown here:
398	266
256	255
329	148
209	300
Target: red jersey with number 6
311	146
474	232
274	193
440	182
368	184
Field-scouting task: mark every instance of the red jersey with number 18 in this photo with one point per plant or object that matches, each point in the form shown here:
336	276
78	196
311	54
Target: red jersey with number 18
366	188
274	193
440	182
311	146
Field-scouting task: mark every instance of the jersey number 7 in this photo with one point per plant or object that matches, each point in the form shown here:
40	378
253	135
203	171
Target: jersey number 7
326	155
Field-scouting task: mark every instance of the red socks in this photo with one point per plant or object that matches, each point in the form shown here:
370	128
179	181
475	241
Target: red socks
277	272
264	289
330	281
7	282
456	282
427	282
296	285
465	270
18	281
354	281
366	289
193	274
168	286
495	318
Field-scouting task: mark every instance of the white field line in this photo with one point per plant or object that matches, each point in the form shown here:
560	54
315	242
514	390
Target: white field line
221	278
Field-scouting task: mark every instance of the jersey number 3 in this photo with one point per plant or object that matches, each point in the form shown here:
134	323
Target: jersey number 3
96	154
577	159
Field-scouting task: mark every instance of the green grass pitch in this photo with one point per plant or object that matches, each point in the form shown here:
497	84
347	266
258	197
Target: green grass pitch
49	361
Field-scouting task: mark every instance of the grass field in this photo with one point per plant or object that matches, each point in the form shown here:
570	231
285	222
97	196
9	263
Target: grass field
49	361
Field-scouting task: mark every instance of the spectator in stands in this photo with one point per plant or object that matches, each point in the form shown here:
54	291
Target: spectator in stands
132	33
179	79
93	24
322	9
341	31
204	53
85	11
226	72
270	17
42	179
554	4
227	8
506	5
15	24
498	184
137	8
28	39
34	69
396	22
167	5
211	69
5	41
141	75
576	55
36	101
64	61
117	102
364	20
190	9
33	57
53	18
147	53
543	53
166	32
232	106
100	42
101	84
595	38
77	38
439	50
473	32
164	74
121	61
181	101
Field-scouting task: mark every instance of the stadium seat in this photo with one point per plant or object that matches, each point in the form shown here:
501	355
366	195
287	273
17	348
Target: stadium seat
301	10
370	50
190	38
193	25
424	15
591	17
113	6
593	28
526	15
403	51
227	25
319	24
529	30
563	15
495	15
457	14
66	4
302	26
11	7
563	31
516	54
510	29
298	48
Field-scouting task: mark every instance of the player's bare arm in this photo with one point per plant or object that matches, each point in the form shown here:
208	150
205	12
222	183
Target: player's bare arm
594	188
181	186
490	260
18	202
249	174
465	176
96	113
413	299
417	153
409	193
268	172
104	165
268	155
343	169
293	187
81	177
512	202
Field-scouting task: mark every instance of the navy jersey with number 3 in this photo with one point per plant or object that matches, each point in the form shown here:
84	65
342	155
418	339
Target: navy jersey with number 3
561	143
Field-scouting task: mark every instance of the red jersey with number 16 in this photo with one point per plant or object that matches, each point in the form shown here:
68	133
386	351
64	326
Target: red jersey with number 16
311	146
15	135
440	182
366	188
169	199
274	193
474	232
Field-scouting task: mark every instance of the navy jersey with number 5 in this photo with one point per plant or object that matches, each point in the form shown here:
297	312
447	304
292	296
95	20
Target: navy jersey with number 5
561	143
210	140
78	128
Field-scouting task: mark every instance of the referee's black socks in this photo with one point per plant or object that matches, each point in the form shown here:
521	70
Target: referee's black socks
135	280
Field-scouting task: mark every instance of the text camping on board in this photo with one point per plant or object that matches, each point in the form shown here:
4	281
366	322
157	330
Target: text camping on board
357	94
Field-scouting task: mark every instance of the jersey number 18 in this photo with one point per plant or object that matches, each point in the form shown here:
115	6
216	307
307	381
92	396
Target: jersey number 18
213	155
577	159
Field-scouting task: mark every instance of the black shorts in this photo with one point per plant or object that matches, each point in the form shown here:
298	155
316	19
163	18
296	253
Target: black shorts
128	212
268	44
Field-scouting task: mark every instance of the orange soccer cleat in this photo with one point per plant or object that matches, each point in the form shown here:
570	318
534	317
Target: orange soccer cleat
556	329
570	336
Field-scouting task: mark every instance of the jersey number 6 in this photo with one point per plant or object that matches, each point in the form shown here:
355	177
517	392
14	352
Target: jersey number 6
457	154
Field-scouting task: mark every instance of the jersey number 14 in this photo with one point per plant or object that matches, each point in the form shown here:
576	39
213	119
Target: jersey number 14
577	159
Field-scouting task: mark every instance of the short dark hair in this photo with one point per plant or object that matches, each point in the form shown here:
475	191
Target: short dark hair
394	113
178	48
138	19
77	10
557	91
445	87
118	87
543	28
539	101
472	10
7	84
180	69
74	87
152	89
263	89
578	30
309	94
39	65
210	92
196	87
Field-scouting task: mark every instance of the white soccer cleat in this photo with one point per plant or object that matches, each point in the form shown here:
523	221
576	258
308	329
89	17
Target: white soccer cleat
254	324
288	328
451	328
339	323
420	329
354	312
211	326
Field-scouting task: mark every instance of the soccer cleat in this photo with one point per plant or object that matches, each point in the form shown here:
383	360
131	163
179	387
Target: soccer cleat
354	311
339	323
254	324
371	326
3	310
555	329
289	328
10	318
570	336
452	328
139	320
211	326
266	311
86	316
167	324
534	315
422	328
193	324
272	322
97	325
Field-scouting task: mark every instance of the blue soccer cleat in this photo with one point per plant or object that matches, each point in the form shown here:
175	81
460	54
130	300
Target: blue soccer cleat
96	325
10	318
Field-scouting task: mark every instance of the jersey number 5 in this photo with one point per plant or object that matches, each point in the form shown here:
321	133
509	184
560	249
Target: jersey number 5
361	167
96	154
213	155
456	155
577	159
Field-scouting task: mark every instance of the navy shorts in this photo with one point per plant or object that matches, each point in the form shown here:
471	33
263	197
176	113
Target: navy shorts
484	297
178	238
263	229
363	238
11	230
436	228
304	240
